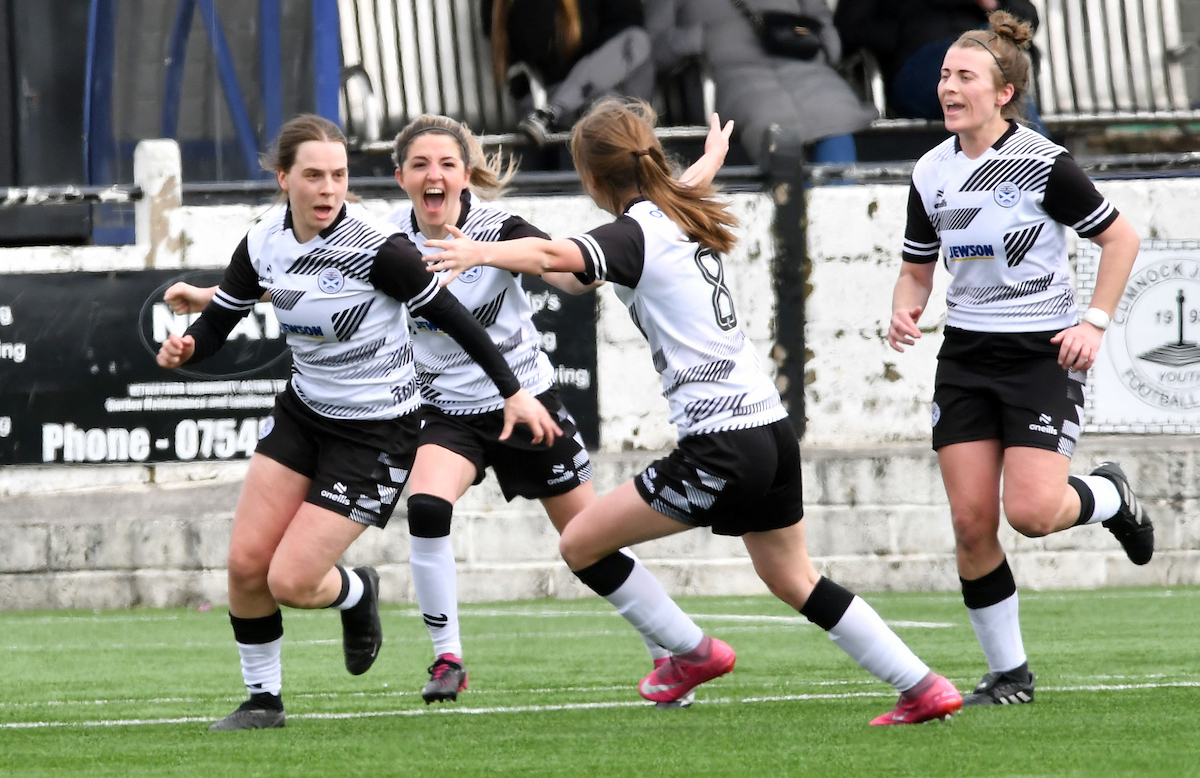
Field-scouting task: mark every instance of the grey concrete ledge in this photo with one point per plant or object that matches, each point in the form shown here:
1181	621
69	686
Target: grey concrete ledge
876	520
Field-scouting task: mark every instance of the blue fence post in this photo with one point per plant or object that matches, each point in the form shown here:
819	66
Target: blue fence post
97	100
176	56
111	225
270	56
327	58
247	142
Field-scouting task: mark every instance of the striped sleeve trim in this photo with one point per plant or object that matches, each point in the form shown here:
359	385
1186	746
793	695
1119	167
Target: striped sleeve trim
921	253
422	298
1097	221
593	255
225	300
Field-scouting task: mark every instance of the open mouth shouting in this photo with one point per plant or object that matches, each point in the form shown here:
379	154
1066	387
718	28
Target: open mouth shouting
434	198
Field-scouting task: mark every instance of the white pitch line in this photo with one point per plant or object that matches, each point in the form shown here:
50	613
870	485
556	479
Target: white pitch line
761	621
15	619
509	709
18	621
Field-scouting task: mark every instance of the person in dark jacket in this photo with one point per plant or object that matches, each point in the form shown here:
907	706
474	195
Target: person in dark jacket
775	100
581	49
910	38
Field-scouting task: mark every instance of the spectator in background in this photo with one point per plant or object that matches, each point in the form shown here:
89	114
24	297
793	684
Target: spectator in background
803	100
910	38
581	49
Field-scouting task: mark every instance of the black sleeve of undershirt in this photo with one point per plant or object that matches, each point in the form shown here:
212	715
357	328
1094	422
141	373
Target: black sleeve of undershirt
515	227
235	297
447	313
921	240
1071	199
400	272
615	252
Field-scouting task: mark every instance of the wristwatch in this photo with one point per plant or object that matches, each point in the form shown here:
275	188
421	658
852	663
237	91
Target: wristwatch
1097	318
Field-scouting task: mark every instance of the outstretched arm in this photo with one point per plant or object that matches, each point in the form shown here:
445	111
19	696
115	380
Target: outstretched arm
533	256
182	297
568	283
239	290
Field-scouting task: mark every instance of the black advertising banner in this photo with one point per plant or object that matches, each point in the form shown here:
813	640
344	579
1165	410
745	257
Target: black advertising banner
79	384
568	326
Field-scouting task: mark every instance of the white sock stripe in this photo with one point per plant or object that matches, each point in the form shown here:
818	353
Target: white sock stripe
1106	495
354	593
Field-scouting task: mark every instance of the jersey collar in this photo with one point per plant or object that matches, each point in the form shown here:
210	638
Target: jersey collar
1012	128
633	202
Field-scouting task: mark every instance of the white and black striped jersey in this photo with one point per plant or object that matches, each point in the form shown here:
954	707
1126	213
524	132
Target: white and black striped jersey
340	301
1000	223
450	379
676	292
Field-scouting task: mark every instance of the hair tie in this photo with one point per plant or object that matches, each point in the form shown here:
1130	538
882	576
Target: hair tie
637	154
466	155
989	51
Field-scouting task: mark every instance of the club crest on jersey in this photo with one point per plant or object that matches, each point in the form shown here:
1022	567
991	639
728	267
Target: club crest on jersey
470	276
1007	194
330	280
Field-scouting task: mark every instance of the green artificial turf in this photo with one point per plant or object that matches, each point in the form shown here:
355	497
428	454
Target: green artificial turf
552	692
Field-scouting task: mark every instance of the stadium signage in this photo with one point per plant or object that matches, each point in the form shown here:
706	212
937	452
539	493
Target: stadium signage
1147	377
79	384
82	386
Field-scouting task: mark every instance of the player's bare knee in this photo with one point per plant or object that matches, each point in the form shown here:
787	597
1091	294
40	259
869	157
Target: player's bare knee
575	552
247	571
972	531
1032	524
292	588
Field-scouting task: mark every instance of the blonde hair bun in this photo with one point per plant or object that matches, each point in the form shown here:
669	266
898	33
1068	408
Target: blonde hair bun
1005	25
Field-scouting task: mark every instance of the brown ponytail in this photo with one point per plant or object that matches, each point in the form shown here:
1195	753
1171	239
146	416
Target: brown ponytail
615	145
1007	41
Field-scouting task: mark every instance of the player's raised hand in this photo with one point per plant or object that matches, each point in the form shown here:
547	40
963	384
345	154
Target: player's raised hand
182	297
456	255
717	142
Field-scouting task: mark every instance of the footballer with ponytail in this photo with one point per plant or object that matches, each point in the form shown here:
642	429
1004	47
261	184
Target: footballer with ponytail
736	468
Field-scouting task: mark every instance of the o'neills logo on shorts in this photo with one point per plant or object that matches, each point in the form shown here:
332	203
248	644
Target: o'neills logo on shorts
1044	425
339	497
